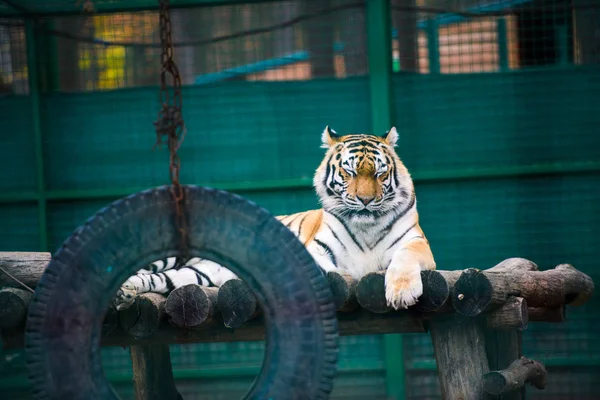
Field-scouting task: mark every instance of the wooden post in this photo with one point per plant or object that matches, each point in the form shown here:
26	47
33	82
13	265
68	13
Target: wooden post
152	373
459	349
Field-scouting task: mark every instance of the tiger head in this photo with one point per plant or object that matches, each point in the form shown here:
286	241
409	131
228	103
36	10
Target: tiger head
361	177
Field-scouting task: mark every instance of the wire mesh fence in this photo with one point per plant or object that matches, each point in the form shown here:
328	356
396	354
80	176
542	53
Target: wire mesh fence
499	87
273	41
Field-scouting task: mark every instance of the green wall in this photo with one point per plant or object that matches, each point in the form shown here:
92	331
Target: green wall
505	165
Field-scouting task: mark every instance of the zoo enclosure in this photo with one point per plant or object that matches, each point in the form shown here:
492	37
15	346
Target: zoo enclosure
496	107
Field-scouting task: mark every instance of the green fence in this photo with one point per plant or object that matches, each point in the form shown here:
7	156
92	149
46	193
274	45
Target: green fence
496	105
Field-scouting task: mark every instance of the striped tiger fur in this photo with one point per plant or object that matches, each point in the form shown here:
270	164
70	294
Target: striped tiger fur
368	222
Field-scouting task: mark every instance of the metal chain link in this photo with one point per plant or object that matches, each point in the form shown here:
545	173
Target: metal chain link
170	125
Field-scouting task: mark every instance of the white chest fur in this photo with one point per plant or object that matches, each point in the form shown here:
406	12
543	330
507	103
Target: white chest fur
361	248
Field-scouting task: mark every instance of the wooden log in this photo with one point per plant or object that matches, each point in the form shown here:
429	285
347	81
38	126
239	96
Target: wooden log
370	291
502	347
514	264
518	373
237	303
477	291
111	321
437	286
192	305
343	288
460	356
152	373
361	322
27	267
511	315
542	314
13	306
144	316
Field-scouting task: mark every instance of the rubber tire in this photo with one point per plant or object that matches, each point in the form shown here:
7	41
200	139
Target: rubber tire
64	322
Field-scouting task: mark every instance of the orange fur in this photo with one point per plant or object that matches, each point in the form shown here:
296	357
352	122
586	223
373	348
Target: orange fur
306	224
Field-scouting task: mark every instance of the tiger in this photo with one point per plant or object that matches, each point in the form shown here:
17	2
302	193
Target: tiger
368	221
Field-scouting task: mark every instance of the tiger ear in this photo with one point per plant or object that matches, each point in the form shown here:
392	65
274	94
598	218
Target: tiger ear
329	137
391	137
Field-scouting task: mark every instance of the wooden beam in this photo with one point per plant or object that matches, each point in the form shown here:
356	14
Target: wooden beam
511	315
201	314
514	377
26	267
476	291
361	322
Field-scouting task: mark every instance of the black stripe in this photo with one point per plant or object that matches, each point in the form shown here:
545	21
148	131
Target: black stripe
292	221
401	214
210	283
199	277
390	224
336	236
300	225
168	281
362	146
395	172
349	232
328	250
152	284
400	238
327	170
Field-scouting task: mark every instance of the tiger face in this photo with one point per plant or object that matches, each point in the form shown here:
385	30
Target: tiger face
361	177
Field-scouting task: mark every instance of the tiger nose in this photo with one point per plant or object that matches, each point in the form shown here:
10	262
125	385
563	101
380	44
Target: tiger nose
365	199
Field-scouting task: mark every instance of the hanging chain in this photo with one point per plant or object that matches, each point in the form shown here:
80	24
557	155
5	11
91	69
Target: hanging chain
170	125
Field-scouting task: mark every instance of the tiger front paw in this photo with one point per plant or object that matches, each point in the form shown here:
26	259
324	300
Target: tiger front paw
403	286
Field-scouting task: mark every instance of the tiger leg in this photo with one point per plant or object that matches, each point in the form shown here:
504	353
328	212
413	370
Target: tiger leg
322	256
403	285
195	271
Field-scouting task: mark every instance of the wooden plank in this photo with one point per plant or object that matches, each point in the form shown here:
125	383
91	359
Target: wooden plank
361	322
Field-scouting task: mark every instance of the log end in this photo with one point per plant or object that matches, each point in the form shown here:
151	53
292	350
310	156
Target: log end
472	293
143	317
436	291
370	293
236	302
541	314
513	314
14	304
191	305
343	288
583	283
519	372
